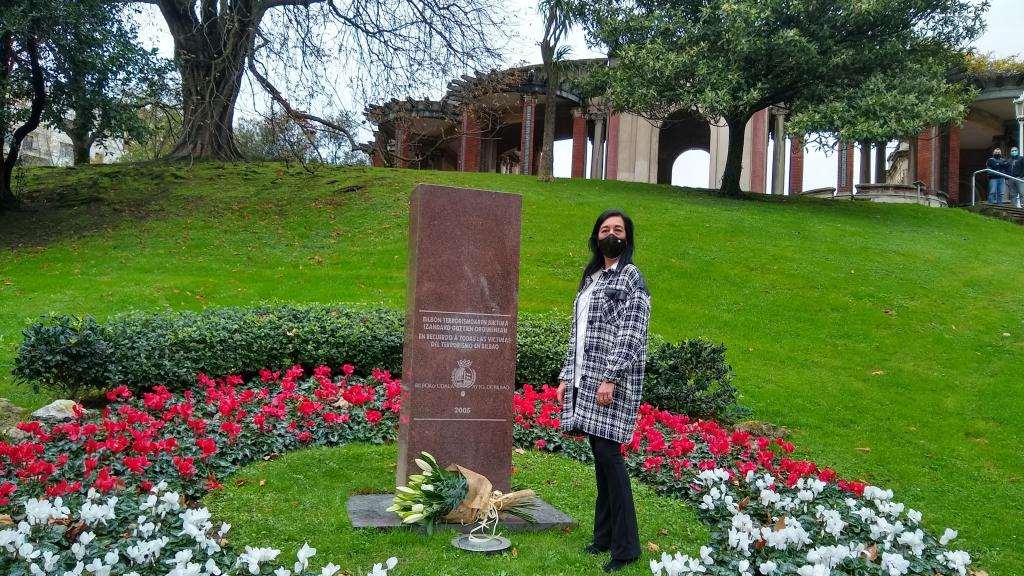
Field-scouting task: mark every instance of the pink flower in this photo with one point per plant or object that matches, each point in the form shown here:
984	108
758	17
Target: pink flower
540	444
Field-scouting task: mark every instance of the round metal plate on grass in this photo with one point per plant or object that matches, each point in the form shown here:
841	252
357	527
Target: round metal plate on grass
481	544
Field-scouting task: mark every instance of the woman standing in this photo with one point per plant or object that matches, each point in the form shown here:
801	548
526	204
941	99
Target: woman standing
600	383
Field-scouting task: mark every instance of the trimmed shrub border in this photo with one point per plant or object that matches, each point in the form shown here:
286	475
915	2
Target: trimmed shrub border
76	356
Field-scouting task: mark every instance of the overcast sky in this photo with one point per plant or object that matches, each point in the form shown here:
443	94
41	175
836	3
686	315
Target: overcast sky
1003	38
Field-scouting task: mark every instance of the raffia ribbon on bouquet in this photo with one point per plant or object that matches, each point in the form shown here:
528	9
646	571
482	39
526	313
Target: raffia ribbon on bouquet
482	504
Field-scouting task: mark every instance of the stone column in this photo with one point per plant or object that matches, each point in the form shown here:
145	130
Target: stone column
527	163
844	184
612	172
579	143
469	150
911	161
796	166
597	158
779	154
880	163
865	163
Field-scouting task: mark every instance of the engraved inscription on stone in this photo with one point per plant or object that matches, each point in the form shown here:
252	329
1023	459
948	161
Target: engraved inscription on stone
465	331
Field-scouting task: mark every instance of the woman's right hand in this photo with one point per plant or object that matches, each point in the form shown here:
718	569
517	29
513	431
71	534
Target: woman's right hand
561	392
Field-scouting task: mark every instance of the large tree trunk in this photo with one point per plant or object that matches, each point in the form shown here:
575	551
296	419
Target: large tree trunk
81	151
734	158
211	52
7	199
81	138
547	151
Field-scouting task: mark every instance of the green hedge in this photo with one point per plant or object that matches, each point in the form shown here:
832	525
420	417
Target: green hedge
77	356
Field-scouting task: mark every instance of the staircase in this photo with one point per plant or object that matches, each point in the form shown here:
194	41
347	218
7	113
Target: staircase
1006	212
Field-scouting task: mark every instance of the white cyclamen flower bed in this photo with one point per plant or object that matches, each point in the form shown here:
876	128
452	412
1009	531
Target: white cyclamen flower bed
151	535
809	529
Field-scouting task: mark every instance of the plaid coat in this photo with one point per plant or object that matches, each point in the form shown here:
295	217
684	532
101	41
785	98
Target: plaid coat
614	350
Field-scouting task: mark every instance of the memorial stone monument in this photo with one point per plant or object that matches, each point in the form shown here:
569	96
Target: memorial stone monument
458	371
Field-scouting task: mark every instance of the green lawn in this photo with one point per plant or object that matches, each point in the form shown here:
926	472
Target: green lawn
887	337
301	497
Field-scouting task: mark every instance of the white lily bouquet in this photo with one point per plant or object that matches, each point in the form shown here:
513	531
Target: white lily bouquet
456	494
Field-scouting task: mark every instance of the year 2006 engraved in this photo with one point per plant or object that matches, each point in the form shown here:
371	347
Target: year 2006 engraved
462	410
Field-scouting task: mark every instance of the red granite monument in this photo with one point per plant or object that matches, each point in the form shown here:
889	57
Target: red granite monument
458	371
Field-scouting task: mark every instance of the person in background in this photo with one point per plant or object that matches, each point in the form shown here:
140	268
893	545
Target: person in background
1016	170
995	181
601	381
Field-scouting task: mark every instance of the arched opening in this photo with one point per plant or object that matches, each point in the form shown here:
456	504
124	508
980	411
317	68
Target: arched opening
691	169
682	132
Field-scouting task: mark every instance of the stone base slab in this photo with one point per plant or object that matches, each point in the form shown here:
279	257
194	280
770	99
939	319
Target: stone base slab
368	511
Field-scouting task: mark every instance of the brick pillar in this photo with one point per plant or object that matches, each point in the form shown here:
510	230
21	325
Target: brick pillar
759	152
527	163
924	158
469	150
844	183
401	145
377	153
951	159
579	143
796	166
612	170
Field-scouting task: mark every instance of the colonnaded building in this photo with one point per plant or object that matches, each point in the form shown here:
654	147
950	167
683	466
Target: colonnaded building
493	122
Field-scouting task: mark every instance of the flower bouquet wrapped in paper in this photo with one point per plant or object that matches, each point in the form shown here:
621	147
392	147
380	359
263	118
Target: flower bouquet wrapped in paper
456	494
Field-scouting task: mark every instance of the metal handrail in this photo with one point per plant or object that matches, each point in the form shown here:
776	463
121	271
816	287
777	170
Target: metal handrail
974	179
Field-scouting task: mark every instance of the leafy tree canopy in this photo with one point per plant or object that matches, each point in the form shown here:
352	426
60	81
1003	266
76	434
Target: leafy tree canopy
726	59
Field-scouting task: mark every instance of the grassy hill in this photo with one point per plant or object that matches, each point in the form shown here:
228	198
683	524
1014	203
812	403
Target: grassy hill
888	338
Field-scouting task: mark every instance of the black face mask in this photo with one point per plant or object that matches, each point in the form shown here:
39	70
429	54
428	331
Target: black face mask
611	246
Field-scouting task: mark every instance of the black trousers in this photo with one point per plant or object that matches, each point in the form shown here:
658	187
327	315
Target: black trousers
615	524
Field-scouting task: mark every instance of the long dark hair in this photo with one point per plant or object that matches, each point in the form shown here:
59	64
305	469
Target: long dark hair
597	258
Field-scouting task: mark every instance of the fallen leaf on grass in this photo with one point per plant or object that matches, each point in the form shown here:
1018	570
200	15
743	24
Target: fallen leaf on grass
514	552
662	532
889	312
878	373
652	547
263	482
241	482
864	450
519	451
